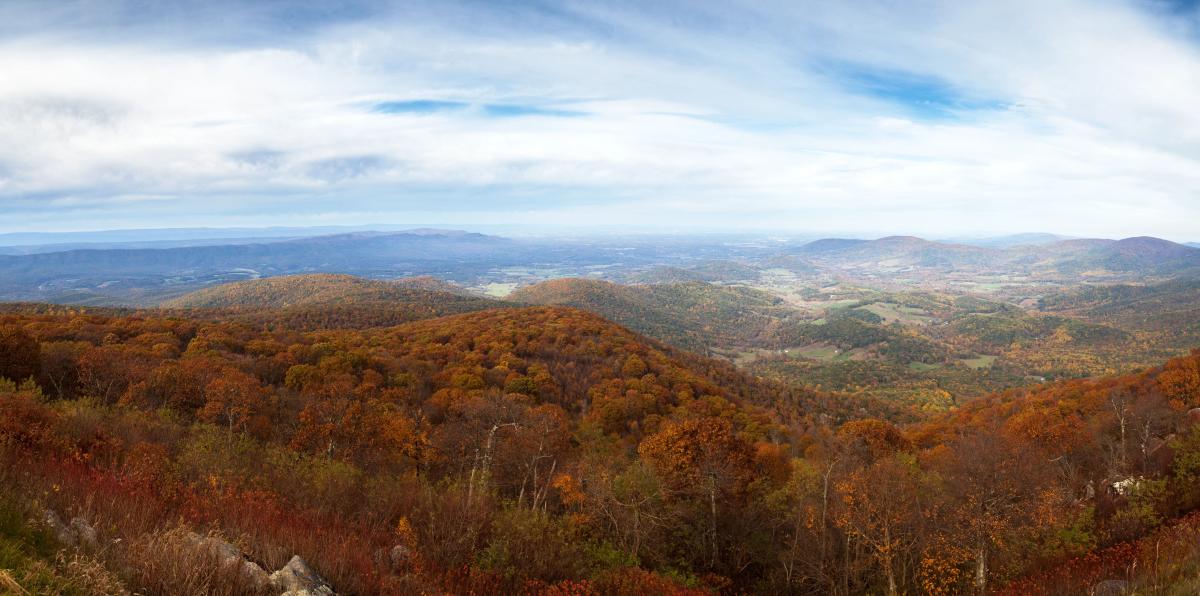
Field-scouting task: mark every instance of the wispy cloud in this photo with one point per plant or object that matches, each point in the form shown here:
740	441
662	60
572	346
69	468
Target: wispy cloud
930	117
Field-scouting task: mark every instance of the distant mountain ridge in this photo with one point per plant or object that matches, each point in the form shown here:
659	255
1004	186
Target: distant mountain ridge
183	235
1142	254
393	254
149	275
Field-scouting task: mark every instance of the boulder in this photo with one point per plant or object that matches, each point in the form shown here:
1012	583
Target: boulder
400	556
61	531
1126	486
254	574
1112	587
84	532
230	556
298	579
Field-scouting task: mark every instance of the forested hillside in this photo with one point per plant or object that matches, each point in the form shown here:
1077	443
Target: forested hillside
544	448
300	290
692	315
328	301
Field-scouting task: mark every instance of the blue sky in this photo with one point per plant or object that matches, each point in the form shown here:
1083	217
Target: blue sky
938	118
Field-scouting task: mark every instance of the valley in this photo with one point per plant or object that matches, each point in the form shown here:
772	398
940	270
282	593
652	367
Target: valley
929	323
459	413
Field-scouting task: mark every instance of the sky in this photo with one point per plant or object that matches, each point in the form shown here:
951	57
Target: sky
937	118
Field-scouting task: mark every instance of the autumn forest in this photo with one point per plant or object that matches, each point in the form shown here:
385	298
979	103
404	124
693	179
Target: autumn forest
405	439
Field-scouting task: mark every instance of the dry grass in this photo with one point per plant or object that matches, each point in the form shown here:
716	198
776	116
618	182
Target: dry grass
91	576
166	562
10	585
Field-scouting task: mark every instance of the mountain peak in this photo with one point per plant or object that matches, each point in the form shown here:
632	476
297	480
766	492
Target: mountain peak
1153	247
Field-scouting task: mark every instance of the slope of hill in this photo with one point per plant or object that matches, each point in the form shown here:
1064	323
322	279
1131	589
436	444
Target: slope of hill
708	271
691	315
992	332
305	290
330	301
895	252
1142	256
827	245
547	450
495	427
433	284
1117	300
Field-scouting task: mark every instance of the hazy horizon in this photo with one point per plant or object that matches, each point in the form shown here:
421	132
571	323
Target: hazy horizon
935	119
216	233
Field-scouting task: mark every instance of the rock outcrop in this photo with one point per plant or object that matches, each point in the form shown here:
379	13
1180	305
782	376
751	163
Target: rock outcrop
61	532
230	556
85	534
298	579
78	533
294	579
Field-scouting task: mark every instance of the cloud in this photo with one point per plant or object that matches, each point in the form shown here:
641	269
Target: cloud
347	168
933	117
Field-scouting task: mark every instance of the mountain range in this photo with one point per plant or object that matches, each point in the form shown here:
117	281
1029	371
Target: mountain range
148	275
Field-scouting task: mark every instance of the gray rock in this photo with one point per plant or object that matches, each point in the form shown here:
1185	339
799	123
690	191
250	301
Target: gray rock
298	579
255	575
400	556
1112	587
63	533
84	532
230	556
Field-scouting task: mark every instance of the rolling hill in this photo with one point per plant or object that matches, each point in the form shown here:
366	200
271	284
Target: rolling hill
708	271
313	289
895	252
1142	255
690	315
326	300
331	430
